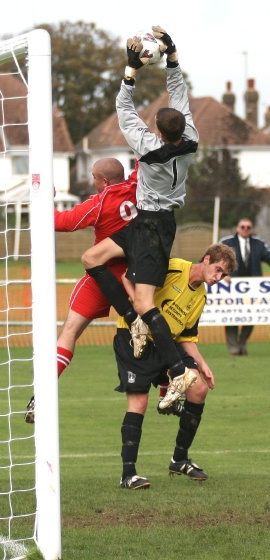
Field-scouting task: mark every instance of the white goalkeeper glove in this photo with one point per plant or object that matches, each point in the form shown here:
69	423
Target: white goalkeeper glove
170	51
134	47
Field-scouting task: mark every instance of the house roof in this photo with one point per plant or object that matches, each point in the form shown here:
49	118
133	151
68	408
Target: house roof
216	124
13	109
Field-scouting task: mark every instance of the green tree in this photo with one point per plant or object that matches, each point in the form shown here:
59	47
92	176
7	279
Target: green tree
215	173
84	70
87	67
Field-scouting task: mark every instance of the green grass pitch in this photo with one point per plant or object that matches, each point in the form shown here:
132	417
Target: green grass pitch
226	517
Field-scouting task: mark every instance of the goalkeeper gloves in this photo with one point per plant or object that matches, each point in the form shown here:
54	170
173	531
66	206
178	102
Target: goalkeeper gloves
171	52
134	47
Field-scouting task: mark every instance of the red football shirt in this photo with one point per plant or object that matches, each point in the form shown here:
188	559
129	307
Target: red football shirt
108	211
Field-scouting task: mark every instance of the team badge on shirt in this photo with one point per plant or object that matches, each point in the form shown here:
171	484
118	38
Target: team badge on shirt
131	377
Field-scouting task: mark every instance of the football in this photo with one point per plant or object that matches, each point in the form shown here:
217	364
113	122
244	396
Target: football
151	47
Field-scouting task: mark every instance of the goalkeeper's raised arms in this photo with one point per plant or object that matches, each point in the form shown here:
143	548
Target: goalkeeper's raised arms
134	47
170	51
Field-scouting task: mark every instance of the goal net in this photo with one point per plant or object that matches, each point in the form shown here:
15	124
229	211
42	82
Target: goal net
29	453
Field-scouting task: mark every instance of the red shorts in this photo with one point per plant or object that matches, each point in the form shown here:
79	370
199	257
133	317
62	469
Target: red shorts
88	300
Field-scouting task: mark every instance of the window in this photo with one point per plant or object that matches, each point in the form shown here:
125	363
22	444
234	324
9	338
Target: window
132	164
20	165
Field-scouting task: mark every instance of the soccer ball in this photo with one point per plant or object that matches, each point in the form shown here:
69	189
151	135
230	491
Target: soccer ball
151	47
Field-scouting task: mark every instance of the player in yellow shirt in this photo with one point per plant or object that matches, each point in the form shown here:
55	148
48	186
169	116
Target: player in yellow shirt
181	301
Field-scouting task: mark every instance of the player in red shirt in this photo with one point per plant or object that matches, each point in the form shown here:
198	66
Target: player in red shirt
108	211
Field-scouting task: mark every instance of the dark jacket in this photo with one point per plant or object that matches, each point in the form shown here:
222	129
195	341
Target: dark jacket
259	252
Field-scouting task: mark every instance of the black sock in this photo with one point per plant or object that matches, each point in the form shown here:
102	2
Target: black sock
163	340
130	316
131	435
113	291
188	425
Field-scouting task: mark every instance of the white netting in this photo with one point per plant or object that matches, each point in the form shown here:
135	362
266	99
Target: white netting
17	449
26	188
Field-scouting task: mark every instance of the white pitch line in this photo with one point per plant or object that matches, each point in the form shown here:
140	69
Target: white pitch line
150	454
157	453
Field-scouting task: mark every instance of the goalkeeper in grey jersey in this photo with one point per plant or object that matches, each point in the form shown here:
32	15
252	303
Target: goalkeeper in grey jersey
164	158
163	163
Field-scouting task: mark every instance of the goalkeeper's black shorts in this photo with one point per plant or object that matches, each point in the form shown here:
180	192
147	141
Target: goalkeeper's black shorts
136	375
147	242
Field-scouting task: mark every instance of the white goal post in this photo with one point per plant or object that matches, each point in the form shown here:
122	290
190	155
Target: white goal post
30	55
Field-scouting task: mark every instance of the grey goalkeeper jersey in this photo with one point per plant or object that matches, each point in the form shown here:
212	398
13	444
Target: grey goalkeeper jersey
162	167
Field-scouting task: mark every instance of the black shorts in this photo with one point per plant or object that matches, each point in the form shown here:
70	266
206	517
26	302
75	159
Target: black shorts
138	374
147	242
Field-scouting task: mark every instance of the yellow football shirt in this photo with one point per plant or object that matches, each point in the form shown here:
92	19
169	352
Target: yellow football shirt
179	303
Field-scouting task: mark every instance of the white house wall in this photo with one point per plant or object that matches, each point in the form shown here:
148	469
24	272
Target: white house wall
255	163
61	173
5	172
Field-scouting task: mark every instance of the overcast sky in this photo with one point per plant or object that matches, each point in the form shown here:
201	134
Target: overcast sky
217	40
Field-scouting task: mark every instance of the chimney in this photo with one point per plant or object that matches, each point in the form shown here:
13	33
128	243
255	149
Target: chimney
267	117
229	97
251	99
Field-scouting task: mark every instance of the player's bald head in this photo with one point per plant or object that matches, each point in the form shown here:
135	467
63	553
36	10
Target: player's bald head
110	169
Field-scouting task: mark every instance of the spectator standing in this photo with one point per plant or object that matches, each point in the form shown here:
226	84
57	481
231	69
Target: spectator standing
251	252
